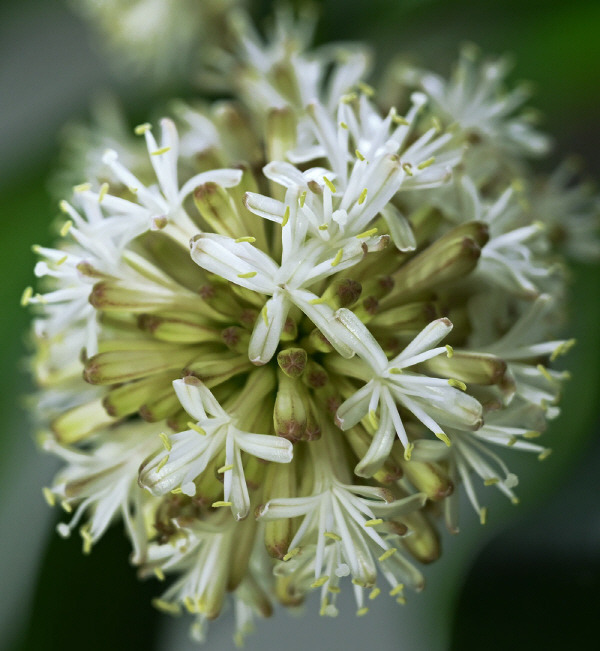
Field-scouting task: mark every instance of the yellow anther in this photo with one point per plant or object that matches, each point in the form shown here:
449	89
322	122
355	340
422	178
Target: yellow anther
322	580
286	216
444	437
248	274
363	197
66	227
515	500
491	481
189	604
449	350
330	185
362	611
396	371
142	128
177	491
61	260
302	199
87	539
49	496
544	454
407	167
248	239
26	296
291	553
436	124
323	227
160	575
317	301
511	441
401	601
219	504
373	419
196	427
483	514
338	258
63	205
66	506
132	189
544	371
396	589
359	155
348	98
334	588
163	462
158	152
103	192
562	349
369	91
373	523
408	451
531	435
457	384
332	535
365	234
223	469
360	583
375	592
426	163
166	607
265	316
166	441
387	554
82	187
398	119
343	125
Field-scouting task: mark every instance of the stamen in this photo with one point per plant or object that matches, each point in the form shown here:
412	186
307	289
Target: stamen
160	575
343	125
426	163
408	451
444	437
407	167
141	129
26	296
166	607
483	514
397	589
363	197
166	441
302	199
82	187
373	523
163	462
158	152
318	301
224	469
365	234
103	192
369	91
66	227
332	535
375	592
49	496
338	258
220	504
319	582
545	454
248	274
362	611
248	239
449	351
457	384
491	481
291	554
323	227
286	216
387	554
330	185
196	428
359	155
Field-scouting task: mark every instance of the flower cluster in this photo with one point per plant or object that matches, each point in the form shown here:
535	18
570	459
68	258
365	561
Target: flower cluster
279	340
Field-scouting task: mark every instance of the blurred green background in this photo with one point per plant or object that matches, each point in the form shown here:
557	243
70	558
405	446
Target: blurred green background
529	580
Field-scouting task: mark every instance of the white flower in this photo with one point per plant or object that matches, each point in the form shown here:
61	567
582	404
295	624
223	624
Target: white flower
474	97
341	521
432	401
103	482
187	453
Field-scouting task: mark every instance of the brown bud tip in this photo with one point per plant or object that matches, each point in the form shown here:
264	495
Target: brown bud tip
147	322
204	190
371	305
470	248
192	380
206	292
349	292
292	361
386	283
231	336
316	379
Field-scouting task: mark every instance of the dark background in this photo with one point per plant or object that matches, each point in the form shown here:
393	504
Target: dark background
529	580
